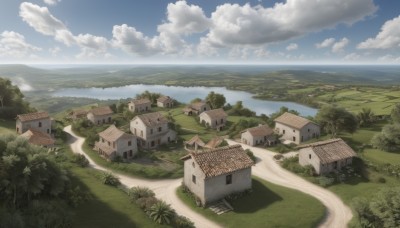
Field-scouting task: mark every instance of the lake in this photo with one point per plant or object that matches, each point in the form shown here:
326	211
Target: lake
185	95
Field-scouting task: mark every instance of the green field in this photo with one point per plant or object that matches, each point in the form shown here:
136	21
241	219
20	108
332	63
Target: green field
7	127
268	205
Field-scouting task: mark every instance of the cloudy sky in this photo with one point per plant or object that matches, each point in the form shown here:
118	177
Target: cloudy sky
200	31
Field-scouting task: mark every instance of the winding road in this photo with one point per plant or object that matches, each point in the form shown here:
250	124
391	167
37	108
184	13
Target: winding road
337	216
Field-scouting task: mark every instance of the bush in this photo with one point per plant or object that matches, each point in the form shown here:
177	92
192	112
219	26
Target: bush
278	157
325	181
161	213
80	160
76	196
109	179
251	155
183	222
140	192
146	203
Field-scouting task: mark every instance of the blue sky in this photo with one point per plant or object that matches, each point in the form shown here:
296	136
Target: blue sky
200	31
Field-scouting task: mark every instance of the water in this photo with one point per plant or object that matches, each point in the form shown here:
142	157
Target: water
185	95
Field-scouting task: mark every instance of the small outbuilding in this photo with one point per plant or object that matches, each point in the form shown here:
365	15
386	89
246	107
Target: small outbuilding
296	128
100	115
165	102
139	105
38	138
194	143
214	174
215	119
260	135
326	156
196	108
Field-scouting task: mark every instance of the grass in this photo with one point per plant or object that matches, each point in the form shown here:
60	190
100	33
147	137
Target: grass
382	157
268	205
7	127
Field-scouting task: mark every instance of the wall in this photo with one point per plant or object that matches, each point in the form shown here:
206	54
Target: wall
304	159
122	146
22	127
289	134
309	131
198	187
98	120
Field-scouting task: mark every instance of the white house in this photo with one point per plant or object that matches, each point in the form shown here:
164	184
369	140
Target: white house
152	130
260	135
114	142
296	128
100	115
196	108
215	119
165	102
39	121
326	156
139	105
216	173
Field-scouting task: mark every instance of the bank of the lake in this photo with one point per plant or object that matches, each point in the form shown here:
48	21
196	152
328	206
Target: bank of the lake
185	95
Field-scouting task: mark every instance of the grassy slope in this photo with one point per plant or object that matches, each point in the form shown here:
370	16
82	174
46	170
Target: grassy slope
7	127
268	205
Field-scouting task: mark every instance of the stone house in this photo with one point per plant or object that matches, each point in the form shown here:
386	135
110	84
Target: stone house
78	114
39	121
152	130
196	108
38	138
100	115
214	174
296	128
215	119
260	135
139	105
114	142
326	156
165	102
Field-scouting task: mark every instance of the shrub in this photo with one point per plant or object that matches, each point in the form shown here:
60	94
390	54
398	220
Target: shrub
140	192
80	160
161	212
251	155
278	157
183	222
325	181
76	196
109	179
145	203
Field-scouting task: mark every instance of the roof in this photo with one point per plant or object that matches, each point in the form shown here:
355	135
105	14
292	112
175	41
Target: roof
141	101
197	105
163	99
262	130
331	150
222	160
152	119
195	140
101	111
214	142
106	149
33	116
112	134
79	112
38	138
293	120
216	113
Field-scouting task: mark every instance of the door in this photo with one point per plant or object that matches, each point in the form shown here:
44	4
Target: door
125	155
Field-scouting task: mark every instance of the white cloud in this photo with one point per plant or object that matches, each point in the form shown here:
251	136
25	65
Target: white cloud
389	59
388	37
239	52
13	44
261	53
54	51
340	45
246	25
352	57
292	47
326	43
51	2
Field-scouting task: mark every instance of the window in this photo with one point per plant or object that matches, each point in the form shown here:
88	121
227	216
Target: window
48	131
102	140
193	164
222	121
141	133
194	179
159	129
113	144
109	144
228	179
283	131
294	139
130	153
151	131
40	124
129	143
309	156
308	130
294	130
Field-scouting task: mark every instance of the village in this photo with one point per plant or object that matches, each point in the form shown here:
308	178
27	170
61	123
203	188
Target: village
213	170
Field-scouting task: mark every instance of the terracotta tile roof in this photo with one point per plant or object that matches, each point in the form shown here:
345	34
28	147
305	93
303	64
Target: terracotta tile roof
214	142
195	140
152	119
197	105
263	130
293	120
223	160
106	149
215	113
33	116
79	113
330	150
101	111
141	101
112	134
38	138
163	99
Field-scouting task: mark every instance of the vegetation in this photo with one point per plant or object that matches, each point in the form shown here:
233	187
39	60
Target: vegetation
215	100
80	160
366	117
12	100
388	139
151	96
251	155
109	179
161	213
239	110
335	119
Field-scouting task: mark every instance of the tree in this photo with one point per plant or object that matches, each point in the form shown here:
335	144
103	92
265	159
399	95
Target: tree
151	96
395	114
161	213
12	100
366	117
334	119
281	111
388	139
215	100
195	100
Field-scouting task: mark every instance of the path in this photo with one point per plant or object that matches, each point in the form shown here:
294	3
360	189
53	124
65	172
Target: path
164	189
338	214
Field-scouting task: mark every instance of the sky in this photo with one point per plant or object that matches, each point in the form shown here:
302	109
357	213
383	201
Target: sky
200	32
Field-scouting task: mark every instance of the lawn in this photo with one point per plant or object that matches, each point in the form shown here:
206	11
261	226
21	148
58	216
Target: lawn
7	127
268	205
108	206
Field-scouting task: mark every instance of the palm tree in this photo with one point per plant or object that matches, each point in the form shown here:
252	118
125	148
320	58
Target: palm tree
161	213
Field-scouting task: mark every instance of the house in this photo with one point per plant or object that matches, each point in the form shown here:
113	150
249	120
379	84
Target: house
216	173
39	121
260	135
295	128
78	114
114	142
326	156
165	102
139	105
214	119
152	130
38	138
194	143
100	115
196	108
